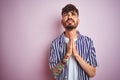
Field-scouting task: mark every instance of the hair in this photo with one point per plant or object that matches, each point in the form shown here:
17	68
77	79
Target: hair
68	8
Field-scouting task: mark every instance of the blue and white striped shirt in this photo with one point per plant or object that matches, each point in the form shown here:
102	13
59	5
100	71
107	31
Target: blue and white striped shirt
85	49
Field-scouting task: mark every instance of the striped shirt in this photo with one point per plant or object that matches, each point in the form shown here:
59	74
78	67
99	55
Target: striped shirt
85	48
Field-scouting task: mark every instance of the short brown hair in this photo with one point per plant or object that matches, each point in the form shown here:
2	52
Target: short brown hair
68	8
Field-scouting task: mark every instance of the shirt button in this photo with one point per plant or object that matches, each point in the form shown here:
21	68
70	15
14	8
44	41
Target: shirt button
65	77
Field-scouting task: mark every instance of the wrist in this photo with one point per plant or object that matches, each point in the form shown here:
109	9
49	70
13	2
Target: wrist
67	55
65	59
76	55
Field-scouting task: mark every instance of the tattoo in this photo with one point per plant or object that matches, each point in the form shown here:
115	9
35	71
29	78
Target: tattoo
59	67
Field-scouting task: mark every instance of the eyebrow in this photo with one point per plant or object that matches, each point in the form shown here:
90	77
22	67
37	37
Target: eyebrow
71	12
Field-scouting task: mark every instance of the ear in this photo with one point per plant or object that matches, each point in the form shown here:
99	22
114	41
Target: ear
78	20
61	21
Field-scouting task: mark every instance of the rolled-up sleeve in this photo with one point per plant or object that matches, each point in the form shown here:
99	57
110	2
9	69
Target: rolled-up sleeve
91	59
52	56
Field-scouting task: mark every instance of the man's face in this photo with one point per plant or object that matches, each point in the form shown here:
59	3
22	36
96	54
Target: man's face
70	20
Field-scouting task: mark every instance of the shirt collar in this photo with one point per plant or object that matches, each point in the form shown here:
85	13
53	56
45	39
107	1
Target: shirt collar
62	36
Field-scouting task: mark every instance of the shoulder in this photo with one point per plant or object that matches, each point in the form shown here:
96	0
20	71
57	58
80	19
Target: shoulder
85	41
58	40
85	38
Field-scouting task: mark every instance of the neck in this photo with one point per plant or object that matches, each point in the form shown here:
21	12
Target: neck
75	34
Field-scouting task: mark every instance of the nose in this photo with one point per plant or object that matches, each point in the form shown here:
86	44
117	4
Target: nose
69	15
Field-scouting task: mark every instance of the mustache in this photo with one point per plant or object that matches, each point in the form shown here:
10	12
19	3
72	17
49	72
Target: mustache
69	19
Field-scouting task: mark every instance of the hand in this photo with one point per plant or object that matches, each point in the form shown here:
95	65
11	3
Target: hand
69	46
74	50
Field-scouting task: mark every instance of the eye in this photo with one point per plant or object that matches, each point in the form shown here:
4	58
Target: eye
73	13
65	14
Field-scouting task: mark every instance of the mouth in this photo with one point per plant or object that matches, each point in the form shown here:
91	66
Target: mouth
70	21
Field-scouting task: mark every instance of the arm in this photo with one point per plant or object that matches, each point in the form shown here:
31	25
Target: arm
57	69
90	70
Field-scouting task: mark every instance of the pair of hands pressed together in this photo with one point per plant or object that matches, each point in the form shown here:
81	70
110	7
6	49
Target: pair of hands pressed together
71	46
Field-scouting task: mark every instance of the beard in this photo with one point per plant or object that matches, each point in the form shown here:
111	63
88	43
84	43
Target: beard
70	27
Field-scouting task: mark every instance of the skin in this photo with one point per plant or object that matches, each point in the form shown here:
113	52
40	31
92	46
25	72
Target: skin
71	18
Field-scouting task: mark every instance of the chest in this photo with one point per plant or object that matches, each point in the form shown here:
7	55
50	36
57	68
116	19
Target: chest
81	46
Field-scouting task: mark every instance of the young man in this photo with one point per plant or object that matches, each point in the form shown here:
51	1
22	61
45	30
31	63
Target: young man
72	55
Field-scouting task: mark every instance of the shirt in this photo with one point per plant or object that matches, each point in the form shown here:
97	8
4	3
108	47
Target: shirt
72	65
85	48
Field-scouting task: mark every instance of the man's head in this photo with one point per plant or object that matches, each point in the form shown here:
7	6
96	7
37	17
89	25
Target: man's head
70	16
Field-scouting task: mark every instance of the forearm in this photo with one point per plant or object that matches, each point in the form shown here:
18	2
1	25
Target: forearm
90	70
56	70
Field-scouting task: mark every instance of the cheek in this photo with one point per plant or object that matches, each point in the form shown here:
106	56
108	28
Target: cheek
76	21
63	22
65	18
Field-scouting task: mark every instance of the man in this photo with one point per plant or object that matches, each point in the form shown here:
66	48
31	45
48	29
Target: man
72	55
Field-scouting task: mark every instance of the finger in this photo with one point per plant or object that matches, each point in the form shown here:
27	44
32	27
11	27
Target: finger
71	41
71	38
74	45
70	44
71	35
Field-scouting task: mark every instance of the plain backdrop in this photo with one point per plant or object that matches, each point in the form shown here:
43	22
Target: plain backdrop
27	28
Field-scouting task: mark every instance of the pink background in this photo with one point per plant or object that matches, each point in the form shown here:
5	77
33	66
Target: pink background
27	28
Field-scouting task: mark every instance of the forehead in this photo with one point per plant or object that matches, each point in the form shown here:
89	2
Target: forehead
70	12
